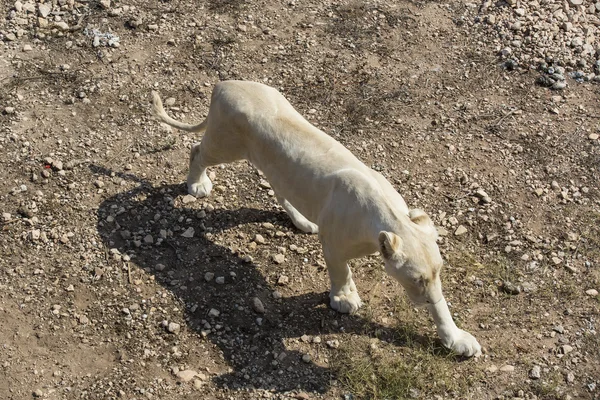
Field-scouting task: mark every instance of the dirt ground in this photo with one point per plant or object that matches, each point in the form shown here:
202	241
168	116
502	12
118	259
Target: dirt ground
106	292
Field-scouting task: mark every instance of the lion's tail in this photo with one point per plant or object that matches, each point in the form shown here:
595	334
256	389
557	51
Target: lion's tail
159	112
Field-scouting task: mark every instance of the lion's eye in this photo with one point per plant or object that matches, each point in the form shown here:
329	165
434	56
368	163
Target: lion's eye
420	281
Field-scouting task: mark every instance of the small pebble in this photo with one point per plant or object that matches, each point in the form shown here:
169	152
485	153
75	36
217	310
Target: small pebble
186	375
174	327
258	305
591	292
507	368
461	230
535	372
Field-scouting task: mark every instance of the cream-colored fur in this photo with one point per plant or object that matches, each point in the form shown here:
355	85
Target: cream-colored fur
324	188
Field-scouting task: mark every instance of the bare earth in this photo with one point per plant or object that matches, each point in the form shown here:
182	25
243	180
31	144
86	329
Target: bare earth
114	284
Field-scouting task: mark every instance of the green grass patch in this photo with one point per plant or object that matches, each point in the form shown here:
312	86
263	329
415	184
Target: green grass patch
370	369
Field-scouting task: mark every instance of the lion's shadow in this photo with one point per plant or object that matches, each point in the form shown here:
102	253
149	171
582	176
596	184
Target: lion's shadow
252	348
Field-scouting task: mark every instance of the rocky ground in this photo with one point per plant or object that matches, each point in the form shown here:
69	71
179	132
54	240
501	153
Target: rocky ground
116	284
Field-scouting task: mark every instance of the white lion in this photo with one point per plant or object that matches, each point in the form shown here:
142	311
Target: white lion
324	188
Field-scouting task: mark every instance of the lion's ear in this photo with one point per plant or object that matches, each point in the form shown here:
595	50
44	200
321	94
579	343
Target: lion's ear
419	217
389	244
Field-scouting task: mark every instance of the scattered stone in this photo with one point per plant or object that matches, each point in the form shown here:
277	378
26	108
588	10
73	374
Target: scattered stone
492	368
257	305
566	349
481	194
160	267
559	329
283	280
593	136
334	344
220	280
9	110
214	312
188	198
591	292
186	375
173	328
35	234
278	258
44	9
306	358
461	230
535	372
259	239
38	393
198	383
507	368
62	25
188	233
511	288
209	276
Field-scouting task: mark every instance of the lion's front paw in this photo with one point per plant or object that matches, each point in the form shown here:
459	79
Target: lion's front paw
308	227
347	303
463	343
200	189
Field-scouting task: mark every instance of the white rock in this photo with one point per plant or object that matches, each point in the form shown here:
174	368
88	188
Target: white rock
62	25
591	292
214	312
566	349
188	198
44	9
186	375
173	327
461	230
